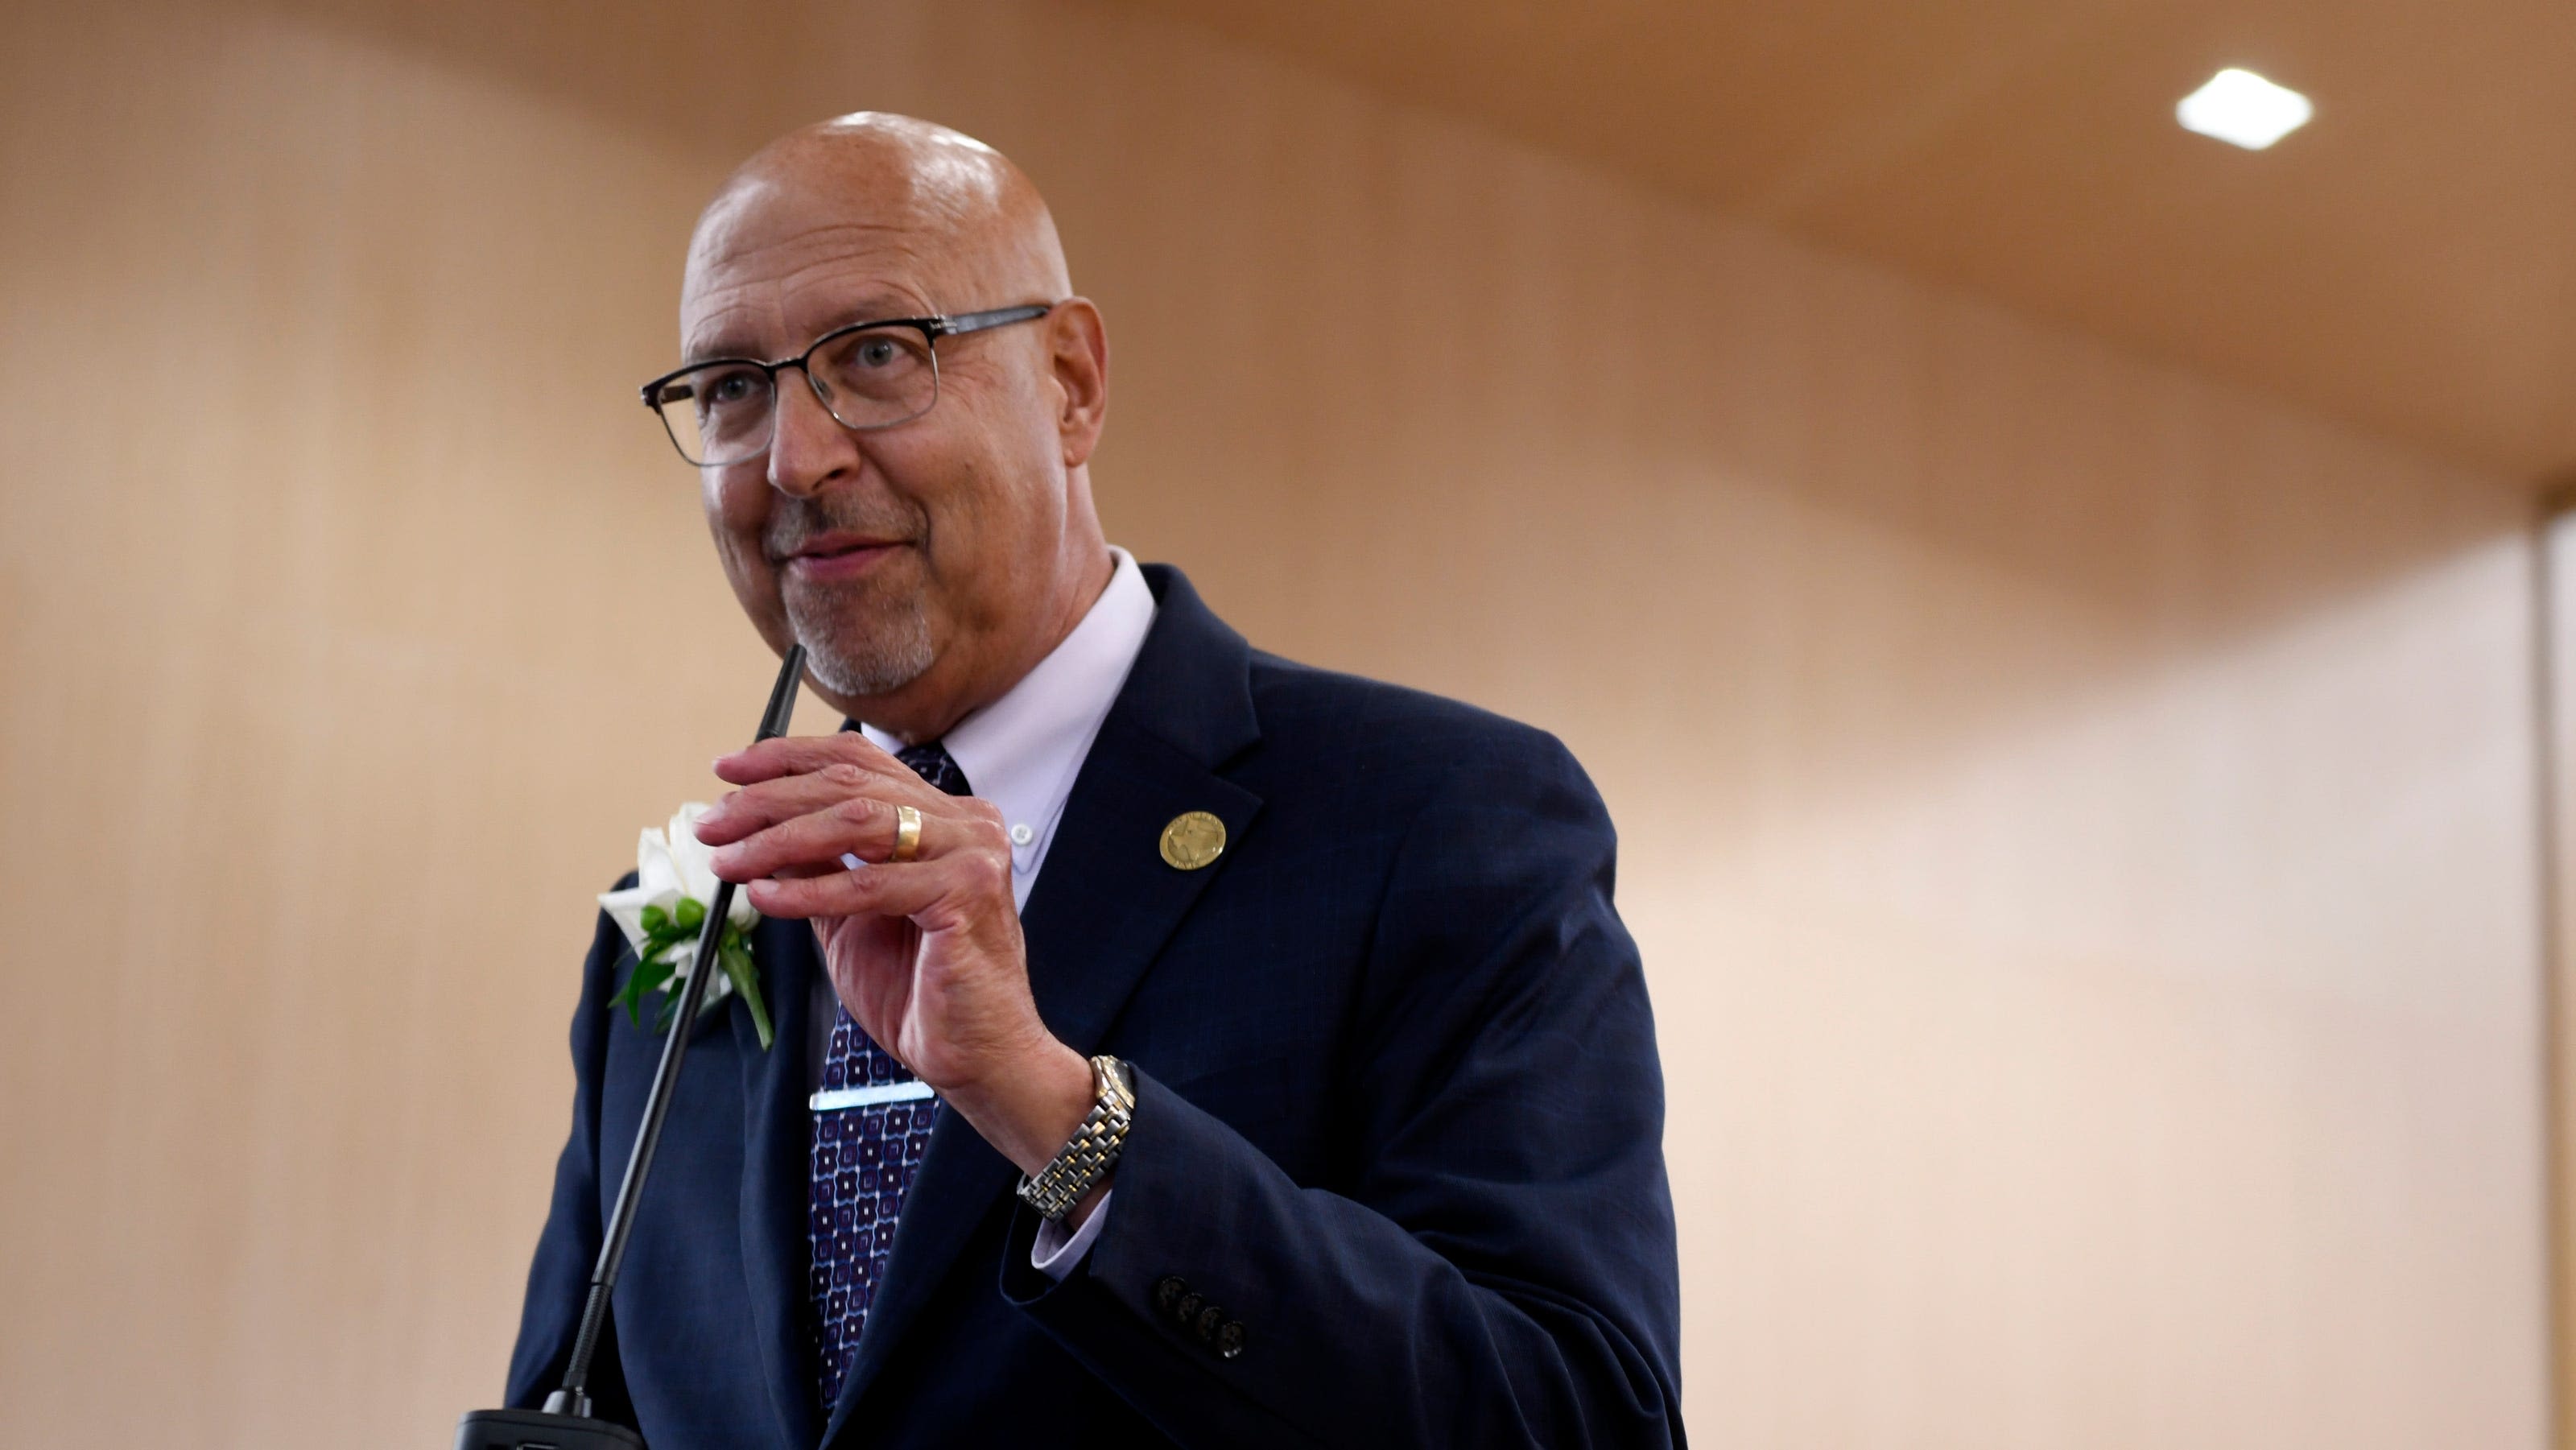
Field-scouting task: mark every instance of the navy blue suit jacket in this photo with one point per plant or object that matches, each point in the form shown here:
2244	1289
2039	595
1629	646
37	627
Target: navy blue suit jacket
1398	1112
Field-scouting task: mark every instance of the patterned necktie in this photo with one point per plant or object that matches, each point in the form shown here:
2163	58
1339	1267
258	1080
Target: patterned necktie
864	1158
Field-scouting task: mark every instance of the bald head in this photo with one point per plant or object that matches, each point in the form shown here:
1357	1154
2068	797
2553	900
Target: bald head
958	207
928	563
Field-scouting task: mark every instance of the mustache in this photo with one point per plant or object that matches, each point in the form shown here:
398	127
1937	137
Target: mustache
795	522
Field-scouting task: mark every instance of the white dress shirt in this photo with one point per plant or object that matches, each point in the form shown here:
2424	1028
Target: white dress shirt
1021	753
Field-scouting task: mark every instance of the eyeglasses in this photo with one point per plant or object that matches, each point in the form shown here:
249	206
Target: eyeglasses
866	375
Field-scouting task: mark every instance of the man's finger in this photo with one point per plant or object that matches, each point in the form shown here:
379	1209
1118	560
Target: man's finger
878	890
798	754
864	827
763	804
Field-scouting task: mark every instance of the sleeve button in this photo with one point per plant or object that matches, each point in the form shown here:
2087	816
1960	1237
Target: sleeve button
1168	1291
1229	1339
1188	1308
1204	1325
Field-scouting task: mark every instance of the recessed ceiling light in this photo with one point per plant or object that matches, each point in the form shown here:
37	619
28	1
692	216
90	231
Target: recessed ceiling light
2243	109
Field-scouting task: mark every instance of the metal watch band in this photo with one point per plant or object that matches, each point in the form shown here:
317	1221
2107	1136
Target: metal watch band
1087	1157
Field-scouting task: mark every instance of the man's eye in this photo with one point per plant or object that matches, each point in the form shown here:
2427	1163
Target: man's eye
876	352
734	387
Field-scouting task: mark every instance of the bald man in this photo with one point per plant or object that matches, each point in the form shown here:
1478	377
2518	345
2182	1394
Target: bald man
1174	1045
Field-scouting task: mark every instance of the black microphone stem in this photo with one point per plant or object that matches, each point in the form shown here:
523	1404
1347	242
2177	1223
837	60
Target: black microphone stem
574	1397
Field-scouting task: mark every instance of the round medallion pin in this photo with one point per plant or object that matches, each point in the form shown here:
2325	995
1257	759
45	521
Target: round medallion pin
1192	840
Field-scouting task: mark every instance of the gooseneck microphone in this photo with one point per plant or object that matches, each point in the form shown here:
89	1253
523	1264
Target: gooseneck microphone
565	1423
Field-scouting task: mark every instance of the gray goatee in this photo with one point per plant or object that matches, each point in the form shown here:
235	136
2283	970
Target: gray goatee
867	636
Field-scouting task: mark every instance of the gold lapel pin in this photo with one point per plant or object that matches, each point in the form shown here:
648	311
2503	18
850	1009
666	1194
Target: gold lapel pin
1193	839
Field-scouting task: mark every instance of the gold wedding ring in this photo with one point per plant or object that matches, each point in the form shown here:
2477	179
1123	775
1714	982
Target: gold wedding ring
907	833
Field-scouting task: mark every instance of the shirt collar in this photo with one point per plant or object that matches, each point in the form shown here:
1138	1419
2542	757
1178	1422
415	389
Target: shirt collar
1022	751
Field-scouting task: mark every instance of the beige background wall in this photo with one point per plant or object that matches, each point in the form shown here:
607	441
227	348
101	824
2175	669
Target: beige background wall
2081	821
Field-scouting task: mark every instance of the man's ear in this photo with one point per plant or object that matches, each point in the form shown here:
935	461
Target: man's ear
1079	354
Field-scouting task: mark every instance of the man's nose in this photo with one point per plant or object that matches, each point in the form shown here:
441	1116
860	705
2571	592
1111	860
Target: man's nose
808	447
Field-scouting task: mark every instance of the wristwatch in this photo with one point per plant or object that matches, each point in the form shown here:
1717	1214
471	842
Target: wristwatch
1087	1158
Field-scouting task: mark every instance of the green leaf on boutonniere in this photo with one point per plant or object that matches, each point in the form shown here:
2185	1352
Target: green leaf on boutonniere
735	954
647	976
652	972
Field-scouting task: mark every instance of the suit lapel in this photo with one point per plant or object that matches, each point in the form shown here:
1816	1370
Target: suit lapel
1104	905
1093	930
776	1133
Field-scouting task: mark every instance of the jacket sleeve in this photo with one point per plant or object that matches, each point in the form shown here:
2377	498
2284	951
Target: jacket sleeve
559	1279
1501	1270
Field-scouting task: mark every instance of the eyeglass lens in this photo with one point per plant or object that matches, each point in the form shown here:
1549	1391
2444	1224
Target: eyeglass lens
873	378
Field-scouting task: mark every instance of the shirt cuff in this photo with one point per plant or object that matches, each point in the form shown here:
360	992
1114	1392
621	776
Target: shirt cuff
1055	1252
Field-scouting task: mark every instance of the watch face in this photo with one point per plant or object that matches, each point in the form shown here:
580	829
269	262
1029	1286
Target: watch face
1122	1075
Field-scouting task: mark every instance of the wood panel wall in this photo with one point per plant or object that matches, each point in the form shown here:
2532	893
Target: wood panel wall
2081	820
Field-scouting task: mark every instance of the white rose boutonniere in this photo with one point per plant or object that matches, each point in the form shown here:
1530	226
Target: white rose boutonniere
662	914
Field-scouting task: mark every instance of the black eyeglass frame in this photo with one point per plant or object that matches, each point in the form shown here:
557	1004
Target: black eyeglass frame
931	329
